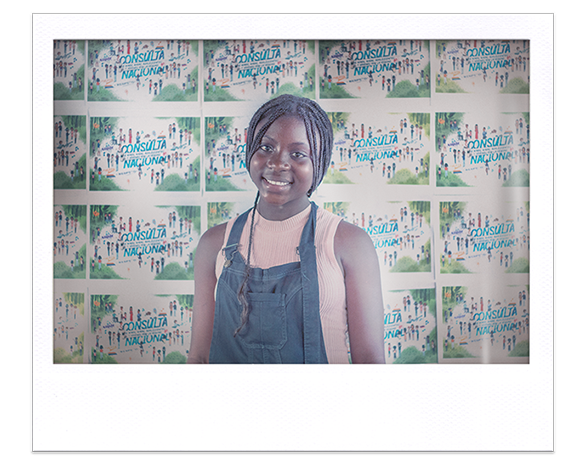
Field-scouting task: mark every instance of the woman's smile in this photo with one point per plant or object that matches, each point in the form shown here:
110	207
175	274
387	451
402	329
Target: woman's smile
275	182
274	185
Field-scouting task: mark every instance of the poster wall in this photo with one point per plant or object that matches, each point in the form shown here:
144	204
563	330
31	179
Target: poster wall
149	152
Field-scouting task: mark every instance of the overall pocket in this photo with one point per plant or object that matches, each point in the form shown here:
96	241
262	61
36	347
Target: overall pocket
267	321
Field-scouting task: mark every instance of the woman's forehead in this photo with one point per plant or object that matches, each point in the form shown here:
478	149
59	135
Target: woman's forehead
289	125
284	119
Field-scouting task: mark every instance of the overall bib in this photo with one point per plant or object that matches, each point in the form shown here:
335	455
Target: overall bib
284	325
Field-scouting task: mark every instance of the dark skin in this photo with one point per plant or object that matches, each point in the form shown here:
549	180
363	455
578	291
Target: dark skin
285	159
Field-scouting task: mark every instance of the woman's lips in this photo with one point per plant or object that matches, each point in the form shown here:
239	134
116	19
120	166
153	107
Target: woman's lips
279	182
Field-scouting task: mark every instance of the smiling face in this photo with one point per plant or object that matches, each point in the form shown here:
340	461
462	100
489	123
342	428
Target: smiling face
282	169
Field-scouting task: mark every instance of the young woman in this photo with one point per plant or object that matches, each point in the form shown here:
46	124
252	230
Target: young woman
287	282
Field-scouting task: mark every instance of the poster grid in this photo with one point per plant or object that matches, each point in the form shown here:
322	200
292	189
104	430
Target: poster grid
382	177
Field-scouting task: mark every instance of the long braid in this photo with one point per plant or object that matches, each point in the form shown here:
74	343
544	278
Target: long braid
319	132
242	290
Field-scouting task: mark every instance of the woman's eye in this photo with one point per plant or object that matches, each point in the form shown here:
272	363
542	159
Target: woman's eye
298	154
266	148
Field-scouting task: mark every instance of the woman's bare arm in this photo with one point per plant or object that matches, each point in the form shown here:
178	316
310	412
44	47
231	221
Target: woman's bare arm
356	254
204	301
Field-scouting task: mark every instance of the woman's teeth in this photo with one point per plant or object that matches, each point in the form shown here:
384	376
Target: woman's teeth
273	182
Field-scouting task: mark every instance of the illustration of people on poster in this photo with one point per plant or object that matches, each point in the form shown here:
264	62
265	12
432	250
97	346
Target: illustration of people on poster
70	241
145	154
143	70
225	159
143	242
140	328
400	231
410	333
486	67
488	323
248	70
483	149
482	235
392	149
70	152
374	69
69	70
69	327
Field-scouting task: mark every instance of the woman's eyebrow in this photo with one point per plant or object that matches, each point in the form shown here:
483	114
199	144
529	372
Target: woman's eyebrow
300	143
295	143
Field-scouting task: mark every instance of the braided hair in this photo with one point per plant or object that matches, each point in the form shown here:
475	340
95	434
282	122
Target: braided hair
320	137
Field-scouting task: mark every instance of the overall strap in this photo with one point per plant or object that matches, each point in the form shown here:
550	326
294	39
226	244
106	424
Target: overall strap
235	233
313	332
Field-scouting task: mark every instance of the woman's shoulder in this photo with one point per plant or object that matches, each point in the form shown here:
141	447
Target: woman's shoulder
347	232
211	241
215	232
352	242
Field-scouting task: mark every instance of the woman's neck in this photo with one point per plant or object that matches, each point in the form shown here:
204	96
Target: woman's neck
282	212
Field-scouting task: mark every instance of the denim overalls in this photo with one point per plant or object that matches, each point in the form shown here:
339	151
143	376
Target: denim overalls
284	325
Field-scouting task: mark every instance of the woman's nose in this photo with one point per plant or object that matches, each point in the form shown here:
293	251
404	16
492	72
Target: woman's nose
279	159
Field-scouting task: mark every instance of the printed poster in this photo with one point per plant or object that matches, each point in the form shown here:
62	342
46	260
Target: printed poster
484	322
400	231
69	70
143	242
70	322
251	70
392	149
482	149
70	152
143	70
373	69
410	333
486	67
225	149
70	241
481	235
145	154
139	327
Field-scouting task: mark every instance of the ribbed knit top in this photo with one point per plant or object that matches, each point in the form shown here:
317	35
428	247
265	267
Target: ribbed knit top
275	243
